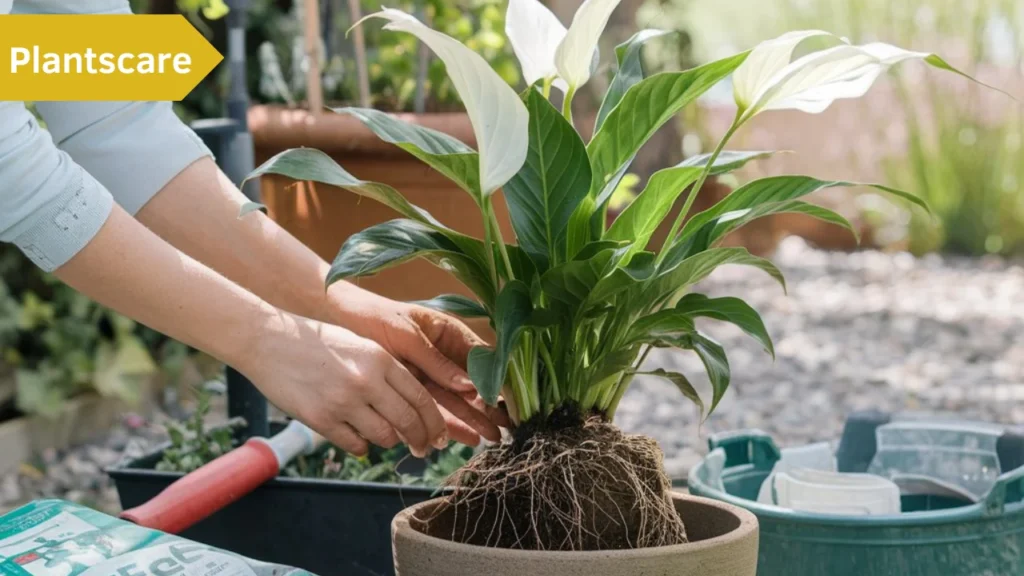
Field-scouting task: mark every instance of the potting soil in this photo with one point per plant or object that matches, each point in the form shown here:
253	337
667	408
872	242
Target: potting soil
57	538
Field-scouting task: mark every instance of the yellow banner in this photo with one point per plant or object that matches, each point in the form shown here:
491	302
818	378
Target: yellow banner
101	57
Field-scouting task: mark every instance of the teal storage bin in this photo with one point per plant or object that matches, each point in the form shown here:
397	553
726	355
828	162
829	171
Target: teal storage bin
934	536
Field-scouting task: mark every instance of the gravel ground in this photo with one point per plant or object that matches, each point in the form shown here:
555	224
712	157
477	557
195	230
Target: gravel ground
856	331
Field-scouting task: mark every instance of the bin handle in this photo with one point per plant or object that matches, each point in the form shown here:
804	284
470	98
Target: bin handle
1008	489
747	446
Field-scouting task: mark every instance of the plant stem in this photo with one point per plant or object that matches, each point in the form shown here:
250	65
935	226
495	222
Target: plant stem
552	375
546	90
496	230
695	190
623	385
567	104
489	249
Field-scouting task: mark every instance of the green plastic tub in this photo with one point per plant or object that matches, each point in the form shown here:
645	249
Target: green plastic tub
932	537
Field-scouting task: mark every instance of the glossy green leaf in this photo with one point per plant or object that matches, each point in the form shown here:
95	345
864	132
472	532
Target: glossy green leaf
682	383
313	165
641	218
716	364
625	275
699	266
542	196
572	282
448	155
728	309
593	248
719	227
394	242
488	367
455	304
630	70
777	189
644	108
668	325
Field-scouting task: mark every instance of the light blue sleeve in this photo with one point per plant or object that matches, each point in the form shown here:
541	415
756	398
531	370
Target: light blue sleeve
49	206
133	148
57	188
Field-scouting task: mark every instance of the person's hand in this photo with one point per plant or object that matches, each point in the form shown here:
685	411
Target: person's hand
434	346
347	388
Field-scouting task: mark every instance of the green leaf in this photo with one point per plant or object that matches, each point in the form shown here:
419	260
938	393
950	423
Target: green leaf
719	227
571	283
394	242
455	304
448	155
488	368
732	310
778	189
699	266
663	326
251	207
593	248
682	383
630	70
544	193
641	218
644	108
313	165
640	267
716	363
580	231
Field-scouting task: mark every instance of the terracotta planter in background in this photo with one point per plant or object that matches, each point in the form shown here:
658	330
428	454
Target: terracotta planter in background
323	217
724	540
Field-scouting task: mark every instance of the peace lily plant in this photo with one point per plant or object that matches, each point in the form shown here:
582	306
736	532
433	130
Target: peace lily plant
577	304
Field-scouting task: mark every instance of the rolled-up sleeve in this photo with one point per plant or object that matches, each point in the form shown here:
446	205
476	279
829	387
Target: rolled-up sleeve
49	206
133	148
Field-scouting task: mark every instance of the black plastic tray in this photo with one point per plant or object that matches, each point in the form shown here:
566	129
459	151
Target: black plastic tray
328	527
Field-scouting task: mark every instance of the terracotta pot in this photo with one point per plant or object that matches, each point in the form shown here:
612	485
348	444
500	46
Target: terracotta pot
723	537
323	217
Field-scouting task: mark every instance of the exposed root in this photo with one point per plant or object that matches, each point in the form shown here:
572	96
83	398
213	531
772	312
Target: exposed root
564	485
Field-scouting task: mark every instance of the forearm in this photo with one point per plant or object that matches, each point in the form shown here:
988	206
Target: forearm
129	269
197	212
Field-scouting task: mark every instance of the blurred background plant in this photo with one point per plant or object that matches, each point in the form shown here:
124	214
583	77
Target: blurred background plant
958	146
56	344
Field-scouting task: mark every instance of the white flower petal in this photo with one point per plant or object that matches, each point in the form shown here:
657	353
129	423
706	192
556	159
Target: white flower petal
575	55
500	120
766	60
535	33
813	82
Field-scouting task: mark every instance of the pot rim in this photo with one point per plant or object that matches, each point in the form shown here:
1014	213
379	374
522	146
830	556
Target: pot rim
748	525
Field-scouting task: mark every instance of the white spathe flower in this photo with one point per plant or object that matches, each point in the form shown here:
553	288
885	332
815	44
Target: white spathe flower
534	33
545	48
499	117
768	80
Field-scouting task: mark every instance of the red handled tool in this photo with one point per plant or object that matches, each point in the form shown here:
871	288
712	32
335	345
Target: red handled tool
206	490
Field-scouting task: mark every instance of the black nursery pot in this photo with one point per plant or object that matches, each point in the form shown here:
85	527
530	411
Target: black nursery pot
328	527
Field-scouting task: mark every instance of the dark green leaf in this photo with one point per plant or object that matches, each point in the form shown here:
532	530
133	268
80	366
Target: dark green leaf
591	249
639	268
448	155
544	193
397	241
631	70
314	165
488	368
572	282
732	310
716	363
682	383
251	207
644	108
455	304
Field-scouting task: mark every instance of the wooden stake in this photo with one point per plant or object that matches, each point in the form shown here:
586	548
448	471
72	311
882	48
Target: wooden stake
360	45
314	92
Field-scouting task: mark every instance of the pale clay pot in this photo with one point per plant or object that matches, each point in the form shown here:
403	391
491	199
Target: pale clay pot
723	538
